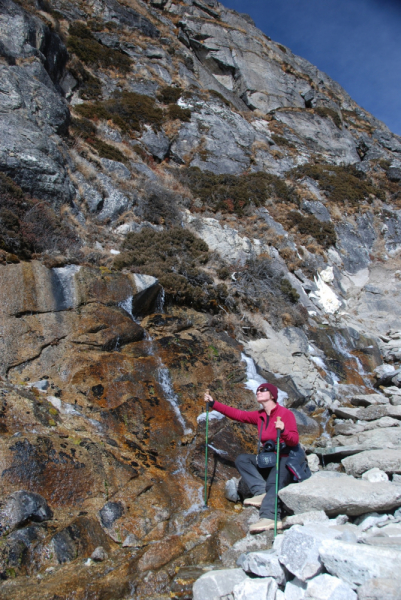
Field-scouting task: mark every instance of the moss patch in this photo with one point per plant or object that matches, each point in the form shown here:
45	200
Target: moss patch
232	193
343	185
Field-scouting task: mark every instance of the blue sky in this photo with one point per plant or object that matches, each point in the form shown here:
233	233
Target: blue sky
356	42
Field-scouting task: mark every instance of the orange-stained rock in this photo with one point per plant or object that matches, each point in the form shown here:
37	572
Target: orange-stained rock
26	288
104	327
161	553
64	471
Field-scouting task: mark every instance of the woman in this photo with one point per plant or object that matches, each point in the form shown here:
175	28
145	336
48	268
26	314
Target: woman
261	482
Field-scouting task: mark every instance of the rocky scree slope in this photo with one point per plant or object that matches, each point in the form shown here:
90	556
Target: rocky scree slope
177	189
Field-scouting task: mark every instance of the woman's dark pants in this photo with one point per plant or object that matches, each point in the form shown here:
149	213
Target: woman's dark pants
260	481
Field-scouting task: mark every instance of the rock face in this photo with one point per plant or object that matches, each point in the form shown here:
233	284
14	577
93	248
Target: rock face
187	205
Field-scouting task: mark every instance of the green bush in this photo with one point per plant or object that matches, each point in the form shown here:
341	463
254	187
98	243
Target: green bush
343	184
289	291
128	110
82	43
282	48
233	193
324	233
176	112
169	94
325	112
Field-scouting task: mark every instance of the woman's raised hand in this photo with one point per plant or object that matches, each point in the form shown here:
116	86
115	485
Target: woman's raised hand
207	397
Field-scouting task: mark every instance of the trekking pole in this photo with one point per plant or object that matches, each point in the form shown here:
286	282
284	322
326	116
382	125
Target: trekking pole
206	443
277	473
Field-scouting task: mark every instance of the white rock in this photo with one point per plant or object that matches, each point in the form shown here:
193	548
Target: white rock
299	551
370	520
264	564
375	475
99	554
357	563
336	493
369	399
327	587
255	589
313	462
231	489
380	589
295	589
384	369
388	461
215	584
303	518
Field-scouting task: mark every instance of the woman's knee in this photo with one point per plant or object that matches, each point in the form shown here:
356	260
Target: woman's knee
242	459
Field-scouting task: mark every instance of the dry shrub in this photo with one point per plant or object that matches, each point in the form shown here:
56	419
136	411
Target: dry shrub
324	233
28	225
342	184
173	256
233	193
82	43
169	94
128	110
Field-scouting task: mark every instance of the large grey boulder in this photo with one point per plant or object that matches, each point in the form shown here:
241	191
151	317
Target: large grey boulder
380	589
375	439
216	584
357	563
20	507
257	589
299	551
386	460
295	589
369	399
264	564
337	493
327	587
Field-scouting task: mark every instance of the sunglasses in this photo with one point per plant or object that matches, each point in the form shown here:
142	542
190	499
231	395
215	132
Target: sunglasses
262	388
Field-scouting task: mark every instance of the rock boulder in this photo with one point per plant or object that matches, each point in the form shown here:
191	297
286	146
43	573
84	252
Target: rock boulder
336	493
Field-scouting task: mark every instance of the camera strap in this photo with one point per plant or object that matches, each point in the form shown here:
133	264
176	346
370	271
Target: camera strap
261	430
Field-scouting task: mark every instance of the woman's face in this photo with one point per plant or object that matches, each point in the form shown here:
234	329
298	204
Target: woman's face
263	396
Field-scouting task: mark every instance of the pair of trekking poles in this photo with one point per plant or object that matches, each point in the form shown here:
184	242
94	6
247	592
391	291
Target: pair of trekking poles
277	464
